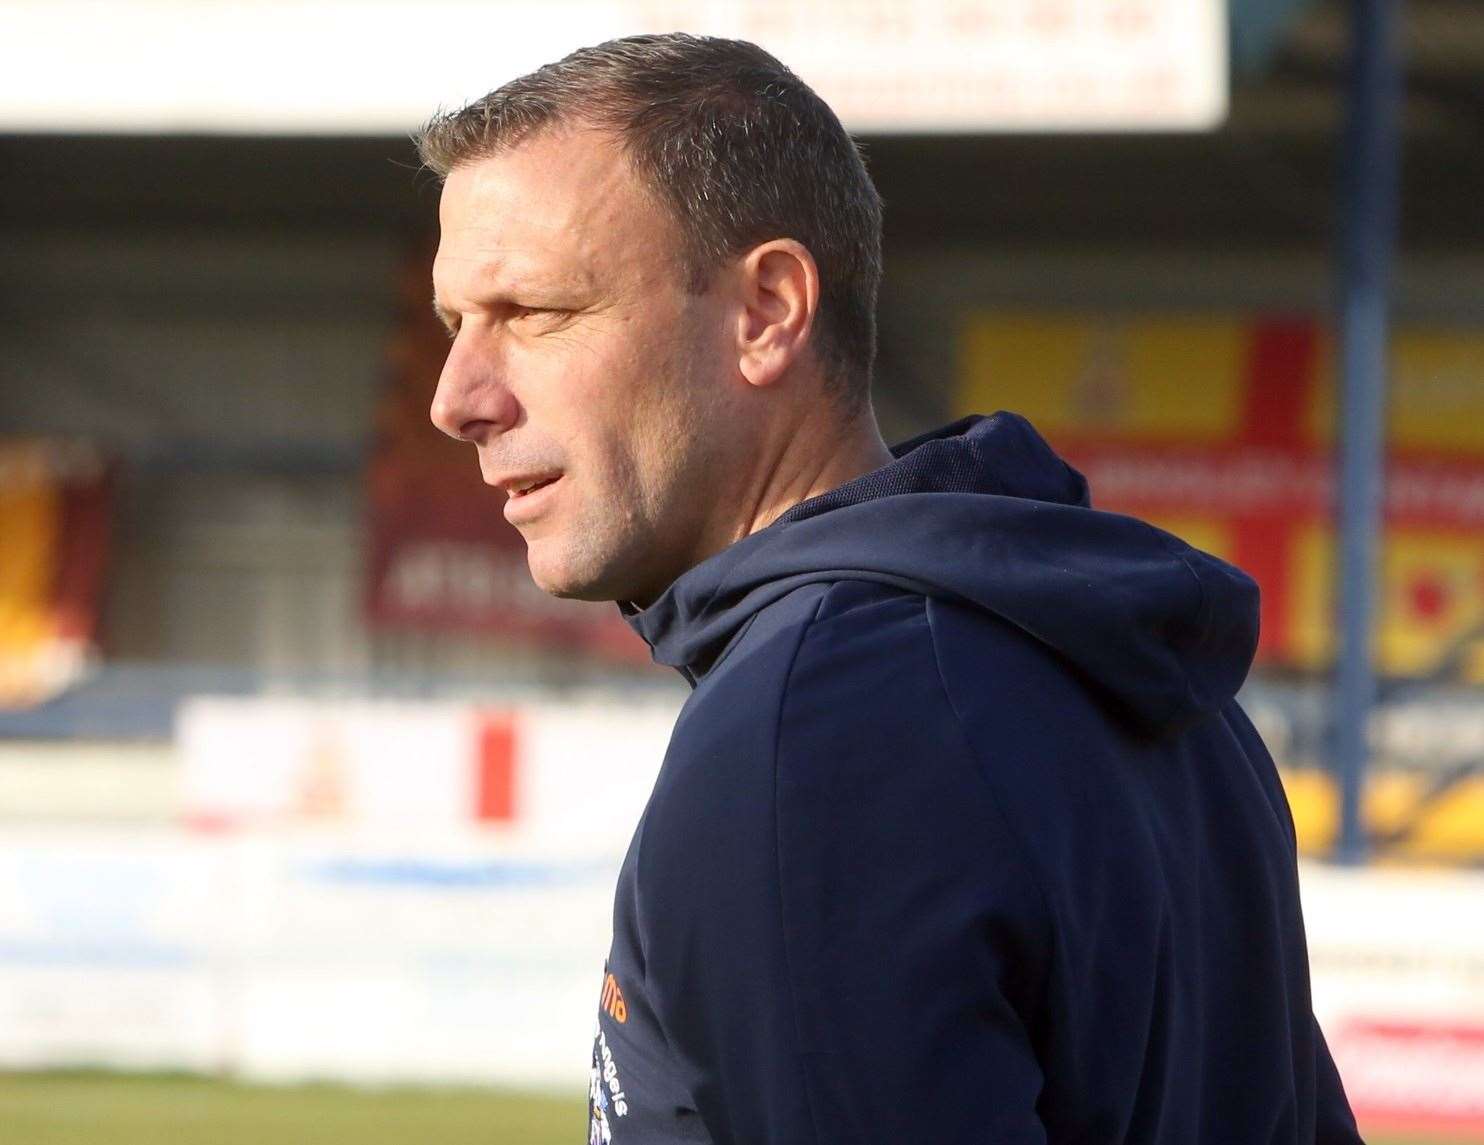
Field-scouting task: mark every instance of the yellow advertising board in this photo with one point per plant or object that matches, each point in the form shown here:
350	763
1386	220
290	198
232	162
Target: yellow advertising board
53	524
1220	428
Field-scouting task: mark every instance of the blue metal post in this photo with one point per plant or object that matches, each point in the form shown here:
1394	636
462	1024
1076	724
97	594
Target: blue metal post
1370	210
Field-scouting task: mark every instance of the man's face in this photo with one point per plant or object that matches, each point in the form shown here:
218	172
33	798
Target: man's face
590	381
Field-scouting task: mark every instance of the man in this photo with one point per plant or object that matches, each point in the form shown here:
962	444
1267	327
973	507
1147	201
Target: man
960	836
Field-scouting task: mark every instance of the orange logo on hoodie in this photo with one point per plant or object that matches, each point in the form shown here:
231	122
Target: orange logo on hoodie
613	1003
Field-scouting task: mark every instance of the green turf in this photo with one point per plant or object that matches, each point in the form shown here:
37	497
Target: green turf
121	1109
110	1109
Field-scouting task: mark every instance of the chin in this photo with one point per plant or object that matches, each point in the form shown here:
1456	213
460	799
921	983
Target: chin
558	578
576	592
593	570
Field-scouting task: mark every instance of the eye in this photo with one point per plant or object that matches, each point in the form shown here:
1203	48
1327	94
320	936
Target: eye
539	315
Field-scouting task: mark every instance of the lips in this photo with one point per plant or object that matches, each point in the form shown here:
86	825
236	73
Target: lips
525	486
528	499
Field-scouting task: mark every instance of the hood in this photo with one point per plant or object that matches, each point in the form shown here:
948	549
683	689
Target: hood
985	514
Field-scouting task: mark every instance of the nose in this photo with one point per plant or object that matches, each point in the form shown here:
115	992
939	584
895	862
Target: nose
472	402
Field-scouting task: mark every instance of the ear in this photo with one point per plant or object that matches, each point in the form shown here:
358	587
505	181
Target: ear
780	297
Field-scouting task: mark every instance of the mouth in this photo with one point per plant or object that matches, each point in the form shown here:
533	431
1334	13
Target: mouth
528	499
524	487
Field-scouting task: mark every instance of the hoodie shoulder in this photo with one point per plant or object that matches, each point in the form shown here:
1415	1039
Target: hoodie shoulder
820	866
811	673
985	513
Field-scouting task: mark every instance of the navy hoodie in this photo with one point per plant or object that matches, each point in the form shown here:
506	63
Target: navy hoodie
961	836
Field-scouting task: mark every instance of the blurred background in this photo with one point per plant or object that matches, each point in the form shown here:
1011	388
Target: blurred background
301	781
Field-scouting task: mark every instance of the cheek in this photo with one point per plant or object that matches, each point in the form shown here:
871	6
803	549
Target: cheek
580	419
627	404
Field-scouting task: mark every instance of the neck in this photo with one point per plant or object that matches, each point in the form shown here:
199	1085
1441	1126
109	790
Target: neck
813	457
800	460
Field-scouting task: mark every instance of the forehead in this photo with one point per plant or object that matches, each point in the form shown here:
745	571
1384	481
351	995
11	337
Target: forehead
564	203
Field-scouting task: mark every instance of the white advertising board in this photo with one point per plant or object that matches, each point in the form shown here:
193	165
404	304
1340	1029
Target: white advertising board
449	961
577	772
362	891
1397	961
431	944
466	956
345	66
585	772
249	762
106	943
302	955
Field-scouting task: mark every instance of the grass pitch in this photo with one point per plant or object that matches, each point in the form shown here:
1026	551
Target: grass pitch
118	1109
123	1109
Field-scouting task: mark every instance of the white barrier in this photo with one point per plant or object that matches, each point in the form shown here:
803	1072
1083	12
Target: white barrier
361	891
578	772
424	892
462	957
105	941
1397	958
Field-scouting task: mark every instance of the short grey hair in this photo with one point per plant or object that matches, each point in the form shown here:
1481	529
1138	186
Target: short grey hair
737	147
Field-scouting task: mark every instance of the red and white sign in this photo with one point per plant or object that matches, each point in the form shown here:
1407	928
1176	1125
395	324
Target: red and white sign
555	771
1405	1077
1397	960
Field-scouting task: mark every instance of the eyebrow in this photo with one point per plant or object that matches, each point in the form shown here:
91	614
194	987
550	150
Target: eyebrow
449	319
540	285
